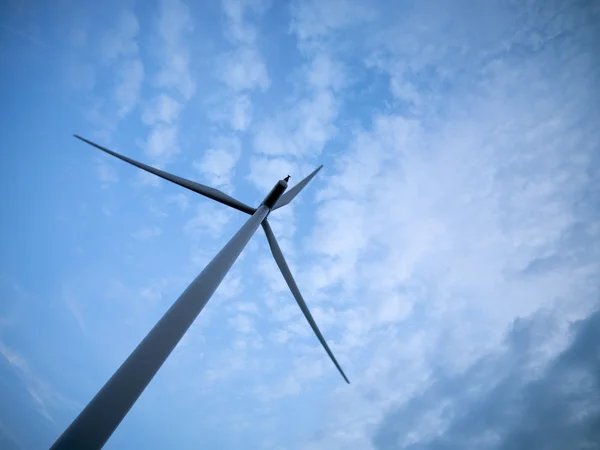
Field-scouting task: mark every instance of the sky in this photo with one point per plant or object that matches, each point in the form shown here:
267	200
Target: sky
449	249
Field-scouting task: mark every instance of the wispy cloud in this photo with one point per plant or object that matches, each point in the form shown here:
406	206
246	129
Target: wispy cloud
240	71
45	398
163	143
209	219
245	70
162	109
175	25
181	200
218	162
130	76
107	174
304	129
73	304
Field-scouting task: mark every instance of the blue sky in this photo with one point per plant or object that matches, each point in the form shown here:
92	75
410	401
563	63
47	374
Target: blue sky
449	249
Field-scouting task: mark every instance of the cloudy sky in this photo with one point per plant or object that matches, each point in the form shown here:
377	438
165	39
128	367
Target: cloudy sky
449	249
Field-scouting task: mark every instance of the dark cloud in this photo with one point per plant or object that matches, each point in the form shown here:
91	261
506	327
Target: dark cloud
509	400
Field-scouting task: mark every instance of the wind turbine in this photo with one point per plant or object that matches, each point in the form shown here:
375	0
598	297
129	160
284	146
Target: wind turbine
103	414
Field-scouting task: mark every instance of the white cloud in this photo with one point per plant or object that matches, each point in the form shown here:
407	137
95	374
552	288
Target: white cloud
147	179
118	53
326	73
304	131
241	113
162	109
73	304
244	70
176	74
107	174
181	200
162	143
45	397
242	324
240	30
286	388
264	172
130	75
175	25
241	70
218	163
208	218
175	21
308	125
316	19
393	309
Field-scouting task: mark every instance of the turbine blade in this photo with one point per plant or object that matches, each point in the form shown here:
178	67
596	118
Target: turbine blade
289	195
285	270
201	189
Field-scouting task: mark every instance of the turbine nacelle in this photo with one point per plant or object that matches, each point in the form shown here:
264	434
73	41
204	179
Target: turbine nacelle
276	193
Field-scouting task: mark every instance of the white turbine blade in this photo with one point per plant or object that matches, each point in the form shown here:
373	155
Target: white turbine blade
289	195
285	270
201	189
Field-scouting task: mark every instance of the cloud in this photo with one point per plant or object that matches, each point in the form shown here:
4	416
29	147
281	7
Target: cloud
218	163
501	403
45	397
116	55
209	219
304	131
304	128
444	217
241	69
181	200
162	109
73	304
245	70
175	25
119	48
242	324
316	19
238	29
107	174
162	143
130	76
241	113
265	171
326	73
